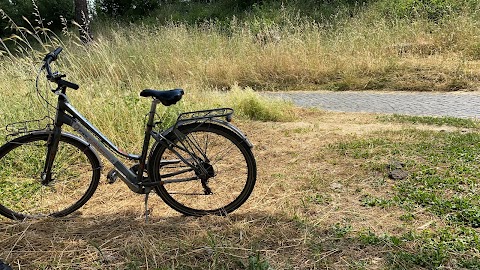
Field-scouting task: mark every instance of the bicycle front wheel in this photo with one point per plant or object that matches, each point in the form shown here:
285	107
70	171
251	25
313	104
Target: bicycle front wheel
75	176
207	169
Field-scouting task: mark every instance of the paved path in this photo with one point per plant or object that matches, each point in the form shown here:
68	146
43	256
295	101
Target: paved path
463	104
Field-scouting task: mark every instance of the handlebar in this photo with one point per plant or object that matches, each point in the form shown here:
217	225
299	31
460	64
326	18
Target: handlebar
56	77
52	56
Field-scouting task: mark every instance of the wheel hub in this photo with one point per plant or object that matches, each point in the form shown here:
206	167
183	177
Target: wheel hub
205	171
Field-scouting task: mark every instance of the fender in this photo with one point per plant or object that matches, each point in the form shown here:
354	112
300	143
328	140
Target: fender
159	137
234	129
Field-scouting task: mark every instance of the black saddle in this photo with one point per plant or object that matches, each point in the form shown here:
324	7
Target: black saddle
167	97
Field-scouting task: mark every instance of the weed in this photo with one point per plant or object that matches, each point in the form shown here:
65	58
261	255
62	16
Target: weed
250	105
133	265
368	238
341	230
368	200
255	262
407	217
319	199
470	263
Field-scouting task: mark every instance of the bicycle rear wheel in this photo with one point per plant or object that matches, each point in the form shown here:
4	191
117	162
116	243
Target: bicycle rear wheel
75	174
208	170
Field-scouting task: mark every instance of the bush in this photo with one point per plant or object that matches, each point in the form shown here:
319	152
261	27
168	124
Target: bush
249	104
126	8
433	10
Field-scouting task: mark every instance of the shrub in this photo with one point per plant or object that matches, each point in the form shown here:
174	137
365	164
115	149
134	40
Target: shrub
126	8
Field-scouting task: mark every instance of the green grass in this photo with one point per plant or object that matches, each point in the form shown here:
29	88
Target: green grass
429	120
443	180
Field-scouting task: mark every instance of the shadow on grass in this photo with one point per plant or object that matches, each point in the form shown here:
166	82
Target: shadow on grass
125	241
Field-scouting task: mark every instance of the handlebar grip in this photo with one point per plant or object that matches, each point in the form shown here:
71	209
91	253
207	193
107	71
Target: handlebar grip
52	56
56	52
67	84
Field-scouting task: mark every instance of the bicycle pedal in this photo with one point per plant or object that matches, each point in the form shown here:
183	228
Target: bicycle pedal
112	176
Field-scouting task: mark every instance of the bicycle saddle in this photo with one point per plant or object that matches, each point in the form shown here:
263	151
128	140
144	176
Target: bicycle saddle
167	97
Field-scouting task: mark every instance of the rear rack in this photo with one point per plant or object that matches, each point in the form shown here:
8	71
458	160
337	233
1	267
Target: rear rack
205	115
25	127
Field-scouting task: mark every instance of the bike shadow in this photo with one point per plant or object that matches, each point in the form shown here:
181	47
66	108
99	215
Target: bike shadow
116	238
126	226
128	222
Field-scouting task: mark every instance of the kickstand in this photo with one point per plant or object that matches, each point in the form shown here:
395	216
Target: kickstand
147	211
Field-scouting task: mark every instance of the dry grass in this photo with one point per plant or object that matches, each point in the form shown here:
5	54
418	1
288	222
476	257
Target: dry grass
360	53
366	52
307	199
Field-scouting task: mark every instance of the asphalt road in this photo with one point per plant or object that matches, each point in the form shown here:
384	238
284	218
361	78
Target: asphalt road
455	104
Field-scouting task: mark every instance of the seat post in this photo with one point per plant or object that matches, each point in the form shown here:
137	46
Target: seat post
151	114
146	140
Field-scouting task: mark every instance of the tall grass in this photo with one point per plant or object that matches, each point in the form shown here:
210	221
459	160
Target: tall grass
117	66
273	50
280	49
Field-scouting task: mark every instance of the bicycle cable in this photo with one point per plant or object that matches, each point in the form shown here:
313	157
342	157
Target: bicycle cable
42	98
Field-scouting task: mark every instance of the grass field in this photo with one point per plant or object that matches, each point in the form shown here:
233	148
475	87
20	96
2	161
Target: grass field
323	200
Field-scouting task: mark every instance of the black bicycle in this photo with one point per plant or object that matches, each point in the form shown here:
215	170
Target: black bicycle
201	165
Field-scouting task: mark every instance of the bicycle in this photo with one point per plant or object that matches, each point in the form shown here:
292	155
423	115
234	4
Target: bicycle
201	165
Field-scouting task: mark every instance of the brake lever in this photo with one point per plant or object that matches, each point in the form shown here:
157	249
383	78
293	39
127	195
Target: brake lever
56	75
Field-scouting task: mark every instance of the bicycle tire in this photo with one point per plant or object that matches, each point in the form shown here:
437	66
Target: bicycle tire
232	183
76	173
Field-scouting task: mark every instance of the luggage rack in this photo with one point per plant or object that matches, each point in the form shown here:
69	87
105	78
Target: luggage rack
205	115
29	126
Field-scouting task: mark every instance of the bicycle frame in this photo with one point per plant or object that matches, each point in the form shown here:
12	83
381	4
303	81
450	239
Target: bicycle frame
96	139
67	114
